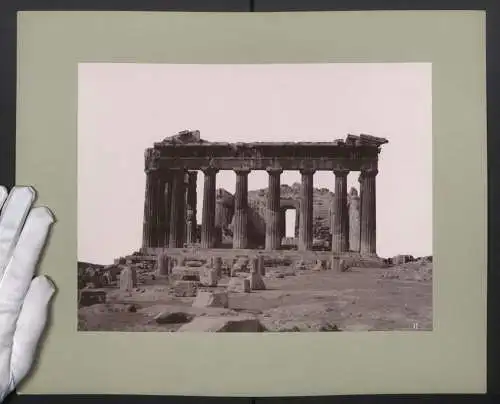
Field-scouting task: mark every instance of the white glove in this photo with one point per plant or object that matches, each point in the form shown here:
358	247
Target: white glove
24	300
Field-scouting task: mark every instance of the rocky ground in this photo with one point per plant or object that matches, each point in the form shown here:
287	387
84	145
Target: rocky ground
369	299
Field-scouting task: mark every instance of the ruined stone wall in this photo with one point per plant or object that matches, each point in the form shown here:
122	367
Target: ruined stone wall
257	223
257	203
224	210
322	203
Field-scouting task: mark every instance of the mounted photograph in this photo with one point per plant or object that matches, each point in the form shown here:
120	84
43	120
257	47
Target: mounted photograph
255	197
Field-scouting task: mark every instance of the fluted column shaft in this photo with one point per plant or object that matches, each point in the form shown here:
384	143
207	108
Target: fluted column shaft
340	231
297	223
240	226
161	214
191	207
368	241
149	221
208	213
273	233
306	211
168	206
177	219
354	221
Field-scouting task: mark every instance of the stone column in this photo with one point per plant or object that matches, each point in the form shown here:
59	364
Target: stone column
306	210
177	220
191	207
273	233
167	197
368	240
340	229
297	223
161	214
128	279
354	220
208	213
149	221
240	227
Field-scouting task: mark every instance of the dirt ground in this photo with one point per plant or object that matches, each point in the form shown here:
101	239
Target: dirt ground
362	299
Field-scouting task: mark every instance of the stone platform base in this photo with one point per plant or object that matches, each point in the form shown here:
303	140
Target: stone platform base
287	257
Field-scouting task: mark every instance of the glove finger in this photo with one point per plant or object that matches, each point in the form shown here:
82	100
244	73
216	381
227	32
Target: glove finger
30	326
15	210
19	273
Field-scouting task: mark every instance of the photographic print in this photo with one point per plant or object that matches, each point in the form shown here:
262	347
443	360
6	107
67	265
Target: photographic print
254	198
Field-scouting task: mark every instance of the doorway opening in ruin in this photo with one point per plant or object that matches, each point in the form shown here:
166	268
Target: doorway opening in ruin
290	217
289	224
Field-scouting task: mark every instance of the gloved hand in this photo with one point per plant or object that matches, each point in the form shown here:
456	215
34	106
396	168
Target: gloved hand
24	300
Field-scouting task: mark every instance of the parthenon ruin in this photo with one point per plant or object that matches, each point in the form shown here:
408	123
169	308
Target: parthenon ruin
172	167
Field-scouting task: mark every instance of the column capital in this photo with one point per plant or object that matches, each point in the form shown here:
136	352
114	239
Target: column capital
193	173
368	172
151	159
242	171
274	170
209	170
340	171
307	171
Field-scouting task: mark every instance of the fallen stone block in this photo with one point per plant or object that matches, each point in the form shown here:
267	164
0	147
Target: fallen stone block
176	317
338	264
128	279
329	327
256	281
238	268
223	324
211	299
209	277
185	288
402	259
300	265
320	266
183	273
91	297
193	263
239	285
240	265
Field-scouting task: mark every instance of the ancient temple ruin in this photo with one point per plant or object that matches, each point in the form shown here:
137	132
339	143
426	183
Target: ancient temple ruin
170	211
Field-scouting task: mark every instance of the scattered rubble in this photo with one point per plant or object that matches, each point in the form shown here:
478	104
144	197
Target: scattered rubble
269	295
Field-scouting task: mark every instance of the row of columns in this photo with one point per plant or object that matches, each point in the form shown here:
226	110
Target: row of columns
341	239
170	210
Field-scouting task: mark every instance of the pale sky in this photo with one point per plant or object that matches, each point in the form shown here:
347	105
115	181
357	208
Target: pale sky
125	108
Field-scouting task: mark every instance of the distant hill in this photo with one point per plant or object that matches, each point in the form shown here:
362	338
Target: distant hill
84	264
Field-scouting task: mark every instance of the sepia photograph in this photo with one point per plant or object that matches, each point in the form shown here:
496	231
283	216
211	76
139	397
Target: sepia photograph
255	197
